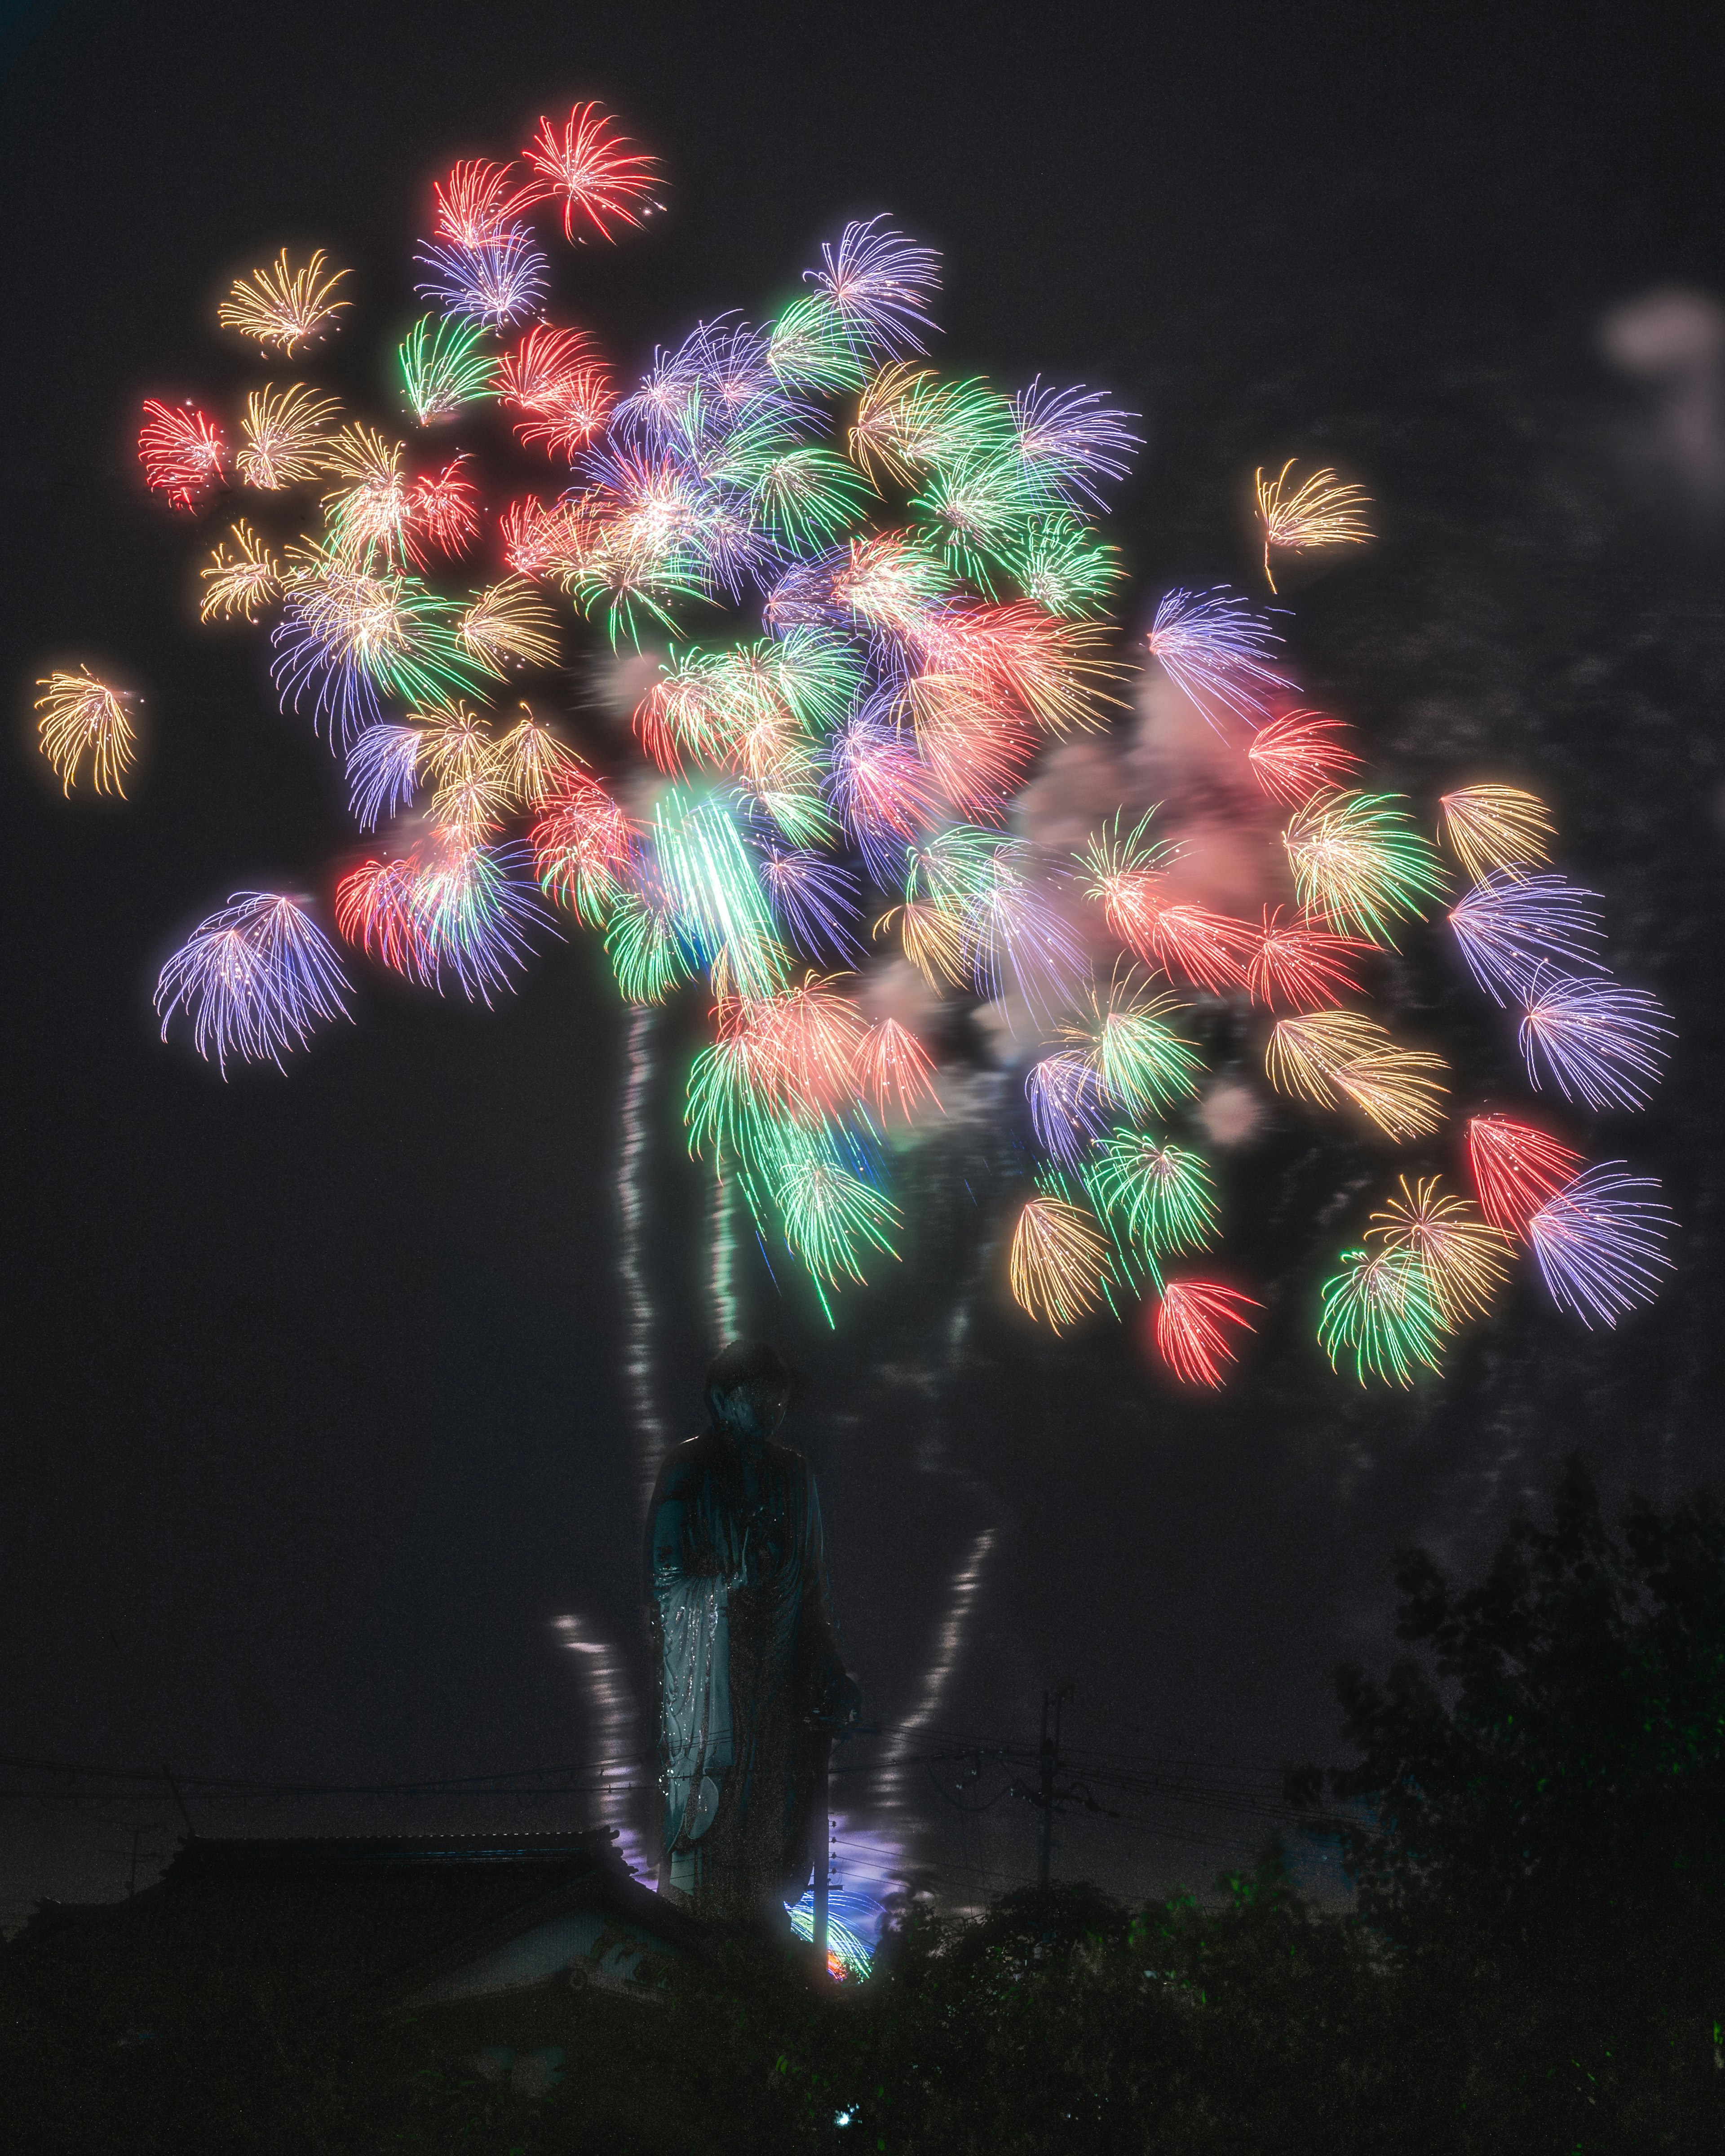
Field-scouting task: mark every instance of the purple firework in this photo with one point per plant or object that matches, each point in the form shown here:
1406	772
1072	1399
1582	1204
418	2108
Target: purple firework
382	770
1068	1104
1220	651
1600	1044
254	979
877	282
499	281
1509	927
1069	439
1597	1245
813	897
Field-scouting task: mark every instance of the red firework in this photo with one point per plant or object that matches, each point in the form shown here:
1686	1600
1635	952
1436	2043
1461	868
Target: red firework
1189	1334
1515	1169
1306	969
183	452
602	177
1299	755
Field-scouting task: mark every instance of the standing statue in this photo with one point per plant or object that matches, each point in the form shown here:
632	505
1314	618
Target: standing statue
752	1689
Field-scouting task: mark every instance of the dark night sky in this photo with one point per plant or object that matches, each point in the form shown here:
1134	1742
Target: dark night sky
317	1413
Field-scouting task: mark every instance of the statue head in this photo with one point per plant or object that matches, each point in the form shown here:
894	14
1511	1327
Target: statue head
748	1388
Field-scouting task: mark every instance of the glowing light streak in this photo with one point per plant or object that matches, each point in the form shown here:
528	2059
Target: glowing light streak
1401	1092
183	452
1303	1054
1300	966
582	847
476	203
1497	829
602	179
284	307
894	1070
1299	755
877	283
242	580
85	717
1068	1105
382	770
1597	1245
533	764
254	980
1069	440
1063	567
1322	510
284	436
813	897
449	909
445	365
1162	1195
1467	1260
502	280
1190	1317
510	623
640	1361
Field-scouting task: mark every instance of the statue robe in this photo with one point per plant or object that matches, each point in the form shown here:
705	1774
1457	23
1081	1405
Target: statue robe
746	1658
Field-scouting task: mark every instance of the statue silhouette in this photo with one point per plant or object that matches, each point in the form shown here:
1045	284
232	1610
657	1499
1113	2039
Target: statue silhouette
750	1685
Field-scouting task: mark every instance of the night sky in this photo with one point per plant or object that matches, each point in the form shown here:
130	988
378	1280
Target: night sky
318	1416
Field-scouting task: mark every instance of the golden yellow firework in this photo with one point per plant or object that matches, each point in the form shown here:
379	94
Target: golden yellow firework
1058	1266
284	307
1467	1260
283	436
82	716
1324	510
933	941
510	621
1305	1054
531	761
1497	828
1401	1092
241	582
458	745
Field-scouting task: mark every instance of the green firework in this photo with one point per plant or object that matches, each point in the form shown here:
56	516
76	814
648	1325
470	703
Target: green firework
1381	1313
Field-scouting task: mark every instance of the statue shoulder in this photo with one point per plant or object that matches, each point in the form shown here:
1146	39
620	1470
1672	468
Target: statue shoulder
685	1464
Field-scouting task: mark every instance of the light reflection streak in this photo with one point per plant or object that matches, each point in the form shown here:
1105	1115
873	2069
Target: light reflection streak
637	1352
725	1323
611	1718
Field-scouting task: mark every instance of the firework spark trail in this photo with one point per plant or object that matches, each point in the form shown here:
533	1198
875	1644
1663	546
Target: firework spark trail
637	1352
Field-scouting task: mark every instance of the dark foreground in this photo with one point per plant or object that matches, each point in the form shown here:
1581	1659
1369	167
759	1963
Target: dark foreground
1537	1822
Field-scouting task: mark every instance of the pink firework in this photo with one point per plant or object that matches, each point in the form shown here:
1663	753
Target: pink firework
183	453
1188	943
1190	1318
1300	754
603	180
1301	968
1516	1168
476	204
894	1070
583	847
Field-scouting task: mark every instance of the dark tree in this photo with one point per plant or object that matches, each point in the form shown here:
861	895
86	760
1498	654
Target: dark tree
1543	1795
